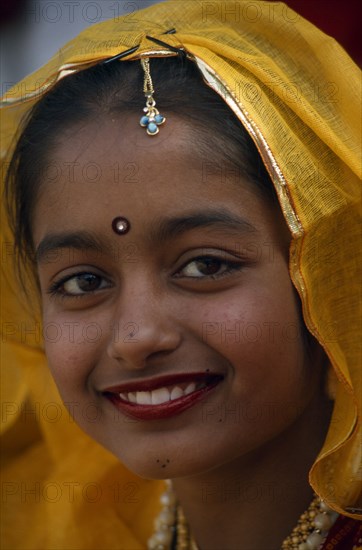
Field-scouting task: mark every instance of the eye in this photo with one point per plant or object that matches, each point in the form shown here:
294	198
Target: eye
208	267
79	284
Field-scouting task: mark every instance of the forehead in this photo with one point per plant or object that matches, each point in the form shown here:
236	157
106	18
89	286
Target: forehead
116	143
111	167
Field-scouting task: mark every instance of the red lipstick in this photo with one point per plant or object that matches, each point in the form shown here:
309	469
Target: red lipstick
162	397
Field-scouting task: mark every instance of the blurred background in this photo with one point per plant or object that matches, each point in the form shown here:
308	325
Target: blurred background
33	30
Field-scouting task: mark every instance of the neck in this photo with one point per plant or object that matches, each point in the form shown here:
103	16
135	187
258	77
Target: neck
256	500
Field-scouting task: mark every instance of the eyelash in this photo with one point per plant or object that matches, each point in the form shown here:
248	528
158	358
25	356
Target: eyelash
231	266
57	290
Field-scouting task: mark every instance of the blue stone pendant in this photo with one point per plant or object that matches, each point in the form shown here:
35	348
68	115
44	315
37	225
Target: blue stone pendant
152	118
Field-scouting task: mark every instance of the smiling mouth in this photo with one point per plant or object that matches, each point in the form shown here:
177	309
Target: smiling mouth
162	397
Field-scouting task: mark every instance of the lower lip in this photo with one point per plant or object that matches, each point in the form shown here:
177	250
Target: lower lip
165	410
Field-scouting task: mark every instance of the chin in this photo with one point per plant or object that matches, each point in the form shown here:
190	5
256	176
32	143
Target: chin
155	465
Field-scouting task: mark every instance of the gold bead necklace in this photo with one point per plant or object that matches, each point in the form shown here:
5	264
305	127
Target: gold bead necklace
171	526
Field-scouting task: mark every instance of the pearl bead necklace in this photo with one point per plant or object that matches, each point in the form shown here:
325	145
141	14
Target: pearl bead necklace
309	533
312	527
165	521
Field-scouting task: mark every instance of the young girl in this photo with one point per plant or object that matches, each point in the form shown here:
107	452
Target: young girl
182	188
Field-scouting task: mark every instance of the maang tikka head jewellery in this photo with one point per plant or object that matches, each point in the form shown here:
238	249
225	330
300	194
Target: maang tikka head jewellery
152	119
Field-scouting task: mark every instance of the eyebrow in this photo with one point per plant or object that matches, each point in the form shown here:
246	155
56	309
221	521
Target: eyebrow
165	229
80	240
162	230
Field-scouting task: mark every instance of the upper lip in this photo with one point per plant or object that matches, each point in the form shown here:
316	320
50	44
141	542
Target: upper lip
162	381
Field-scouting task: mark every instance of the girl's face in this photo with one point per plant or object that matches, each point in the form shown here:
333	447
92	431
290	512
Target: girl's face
198	291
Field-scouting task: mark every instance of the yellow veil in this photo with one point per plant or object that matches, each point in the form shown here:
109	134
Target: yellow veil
298	94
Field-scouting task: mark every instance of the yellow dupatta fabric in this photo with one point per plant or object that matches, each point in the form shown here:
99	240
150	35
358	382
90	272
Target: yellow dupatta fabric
298	94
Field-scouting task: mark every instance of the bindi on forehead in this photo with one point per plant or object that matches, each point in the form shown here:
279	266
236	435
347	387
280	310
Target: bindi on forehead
121	225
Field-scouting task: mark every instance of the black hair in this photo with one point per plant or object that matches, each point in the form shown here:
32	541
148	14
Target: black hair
106	90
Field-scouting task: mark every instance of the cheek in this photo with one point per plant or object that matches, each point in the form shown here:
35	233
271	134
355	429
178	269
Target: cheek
72	348
262	338
268	380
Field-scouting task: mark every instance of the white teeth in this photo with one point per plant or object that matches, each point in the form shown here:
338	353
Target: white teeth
161	395
190	388
143	398
132	398
176	393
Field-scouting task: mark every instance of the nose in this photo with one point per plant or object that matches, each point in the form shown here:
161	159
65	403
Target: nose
143	330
